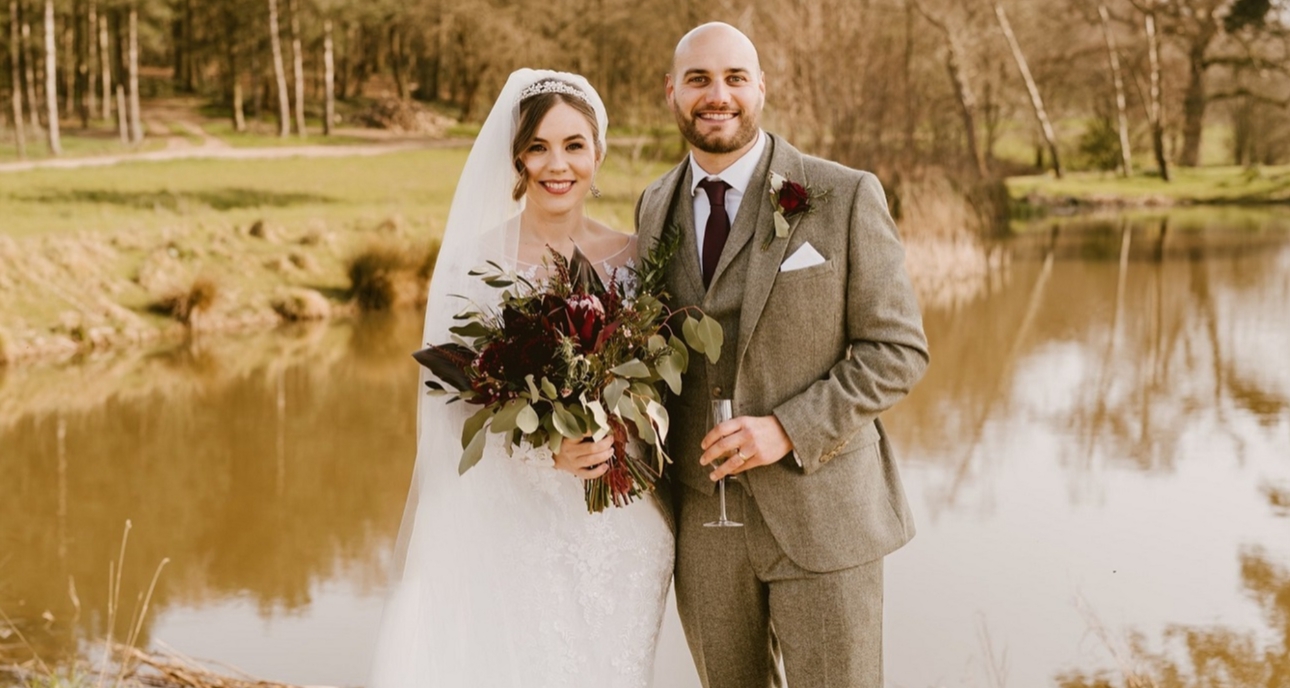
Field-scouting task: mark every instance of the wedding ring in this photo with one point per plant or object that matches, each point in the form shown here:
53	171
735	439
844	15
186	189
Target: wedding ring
739	451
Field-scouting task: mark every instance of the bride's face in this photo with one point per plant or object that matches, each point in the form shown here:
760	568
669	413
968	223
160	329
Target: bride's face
561	161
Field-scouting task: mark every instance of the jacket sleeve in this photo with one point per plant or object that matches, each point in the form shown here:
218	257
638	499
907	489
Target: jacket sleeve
887	352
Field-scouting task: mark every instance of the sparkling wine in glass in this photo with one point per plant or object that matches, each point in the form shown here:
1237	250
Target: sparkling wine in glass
721	412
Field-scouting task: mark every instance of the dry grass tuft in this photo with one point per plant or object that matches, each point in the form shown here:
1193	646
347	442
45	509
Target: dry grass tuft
260	230
185	304
304	261
388	275
301	304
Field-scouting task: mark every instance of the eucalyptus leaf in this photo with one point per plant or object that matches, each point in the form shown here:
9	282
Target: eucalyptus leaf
549	390
473	453
614	391
690	330
710	332
669	368
471	329
632	368
601	419
474	424
527	420
656	342
658	414
533	390
682	351
566	423
504	419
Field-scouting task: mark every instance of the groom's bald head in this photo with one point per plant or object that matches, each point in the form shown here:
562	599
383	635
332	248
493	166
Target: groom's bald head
715	38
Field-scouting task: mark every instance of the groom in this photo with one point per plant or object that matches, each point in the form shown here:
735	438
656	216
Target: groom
822	334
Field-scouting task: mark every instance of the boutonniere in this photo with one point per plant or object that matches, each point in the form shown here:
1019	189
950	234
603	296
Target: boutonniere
790	199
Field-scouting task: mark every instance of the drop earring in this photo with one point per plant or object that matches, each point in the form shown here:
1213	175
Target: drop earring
595	190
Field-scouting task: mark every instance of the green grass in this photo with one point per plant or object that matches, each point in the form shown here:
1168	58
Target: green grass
150	196
76	142
1214	185
264	135
134	232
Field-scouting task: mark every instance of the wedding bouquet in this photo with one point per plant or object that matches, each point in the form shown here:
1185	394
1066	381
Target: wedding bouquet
571	356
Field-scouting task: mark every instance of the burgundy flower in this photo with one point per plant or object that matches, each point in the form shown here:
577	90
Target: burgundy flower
794	199
586	317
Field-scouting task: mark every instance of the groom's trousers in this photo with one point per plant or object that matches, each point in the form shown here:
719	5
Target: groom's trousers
745	605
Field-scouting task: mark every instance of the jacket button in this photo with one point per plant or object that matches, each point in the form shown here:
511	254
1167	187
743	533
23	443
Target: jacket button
716	392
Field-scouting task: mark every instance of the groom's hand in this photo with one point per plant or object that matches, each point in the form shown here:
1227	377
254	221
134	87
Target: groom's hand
748	441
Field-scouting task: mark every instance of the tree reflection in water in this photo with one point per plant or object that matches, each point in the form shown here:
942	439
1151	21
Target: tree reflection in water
260	466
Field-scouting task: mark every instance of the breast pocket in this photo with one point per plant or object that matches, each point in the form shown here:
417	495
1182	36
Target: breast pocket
793	276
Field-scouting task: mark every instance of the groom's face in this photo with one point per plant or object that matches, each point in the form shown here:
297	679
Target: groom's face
716	92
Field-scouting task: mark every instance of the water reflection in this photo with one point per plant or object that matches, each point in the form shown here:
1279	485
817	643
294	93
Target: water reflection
1111	420
261	467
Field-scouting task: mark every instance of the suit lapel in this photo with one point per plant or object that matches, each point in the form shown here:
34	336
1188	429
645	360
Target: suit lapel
763	265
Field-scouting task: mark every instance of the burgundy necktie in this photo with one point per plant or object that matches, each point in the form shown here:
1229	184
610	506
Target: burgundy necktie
718	227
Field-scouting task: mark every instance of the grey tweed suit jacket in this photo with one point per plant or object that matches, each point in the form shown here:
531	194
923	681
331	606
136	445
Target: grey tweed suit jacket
825	349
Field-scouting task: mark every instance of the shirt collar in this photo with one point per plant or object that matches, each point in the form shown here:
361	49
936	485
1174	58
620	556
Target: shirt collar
737	175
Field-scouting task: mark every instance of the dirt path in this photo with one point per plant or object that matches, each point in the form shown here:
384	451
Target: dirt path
224	153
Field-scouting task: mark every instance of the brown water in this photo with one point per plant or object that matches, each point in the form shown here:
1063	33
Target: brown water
1098	445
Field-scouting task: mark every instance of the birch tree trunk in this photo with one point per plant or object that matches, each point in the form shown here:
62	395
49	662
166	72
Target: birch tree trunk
1155	113
329	79
92	47
962	90
297	67
231	28
105	66
136	117
1126	159
1046	127
29	64
15	59
51	81
279	72
122	126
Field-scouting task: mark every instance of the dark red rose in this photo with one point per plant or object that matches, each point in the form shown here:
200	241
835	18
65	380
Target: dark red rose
586	318
794	199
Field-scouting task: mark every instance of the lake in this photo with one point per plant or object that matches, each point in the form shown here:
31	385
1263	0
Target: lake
1098	462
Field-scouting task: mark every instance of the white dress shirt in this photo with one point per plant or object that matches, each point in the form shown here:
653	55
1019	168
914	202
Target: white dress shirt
738	176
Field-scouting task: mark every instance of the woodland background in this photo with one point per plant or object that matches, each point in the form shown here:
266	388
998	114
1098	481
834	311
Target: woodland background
976	87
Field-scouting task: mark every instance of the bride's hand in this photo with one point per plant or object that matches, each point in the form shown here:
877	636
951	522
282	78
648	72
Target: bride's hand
586	460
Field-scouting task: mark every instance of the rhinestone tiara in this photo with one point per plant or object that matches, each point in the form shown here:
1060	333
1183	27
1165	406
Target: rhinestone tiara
552	86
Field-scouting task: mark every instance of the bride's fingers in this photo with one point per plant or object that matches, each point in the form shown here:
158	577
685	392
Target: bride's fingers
594	472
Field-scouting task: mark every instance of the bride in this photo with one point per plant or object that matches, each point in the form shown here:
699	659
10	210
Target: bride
502	578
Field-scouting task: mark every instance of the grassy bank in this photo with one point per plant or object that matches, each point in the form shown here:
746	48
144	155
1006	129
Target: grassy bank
97	257
1229	185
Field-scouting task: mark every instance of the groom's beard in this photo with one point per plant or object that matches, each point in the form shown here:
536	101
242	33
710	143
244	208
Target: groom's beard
714	142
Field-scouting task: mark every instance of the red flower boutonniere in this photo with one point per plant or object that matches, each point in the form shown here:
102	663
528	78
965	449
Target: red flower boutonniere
790	199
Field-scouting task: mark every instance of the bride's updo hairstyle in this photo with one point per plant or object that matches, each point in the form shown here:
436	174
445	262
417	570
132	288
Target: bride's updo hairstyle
537	100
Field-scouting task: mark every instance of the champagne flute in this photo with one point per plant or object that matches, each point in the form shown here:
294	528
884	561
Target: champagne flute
721	412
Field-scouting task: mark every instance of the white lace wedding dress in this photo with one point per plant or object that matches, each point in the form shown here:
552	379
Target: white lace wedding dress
507	581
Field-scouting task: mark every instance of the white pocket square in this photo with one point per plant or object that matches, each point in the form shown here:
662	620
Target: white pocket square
804	257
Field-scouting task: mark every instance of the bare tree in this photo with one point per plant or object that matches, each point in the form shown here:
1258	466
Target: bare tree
1036	100
95	57
329	79
1155	113
15	58
136	117
51	82
279	72
1122	117
964	95
29	63
298	67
